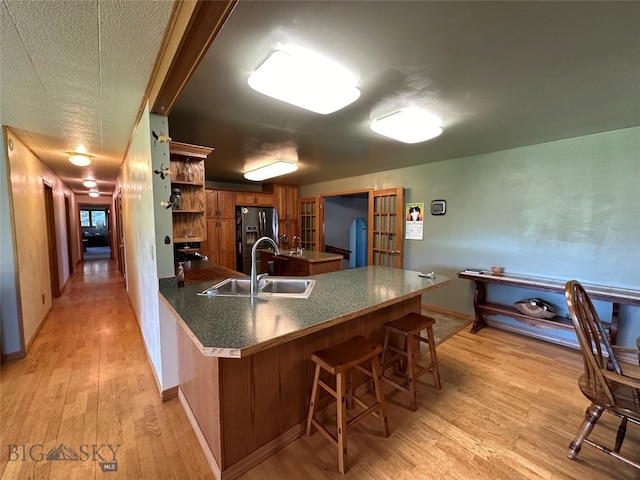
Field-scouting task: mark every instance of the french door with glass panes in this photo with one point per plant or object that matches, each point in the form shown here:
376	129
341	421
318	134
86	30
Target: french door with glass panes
385	227
386	218
311	223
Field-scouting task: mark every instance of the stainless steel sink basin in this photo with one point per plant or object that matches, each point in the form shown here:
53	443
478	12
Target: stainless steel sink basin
293	287
299	286
231	287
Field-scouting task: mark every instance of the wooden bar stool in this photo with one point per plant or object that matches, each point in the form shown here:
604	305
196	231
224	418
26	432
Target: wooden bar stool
409	328
339	360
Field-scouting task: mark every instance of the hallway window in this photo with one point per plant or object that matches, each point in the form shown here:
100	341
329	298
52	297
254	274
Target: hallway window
93	218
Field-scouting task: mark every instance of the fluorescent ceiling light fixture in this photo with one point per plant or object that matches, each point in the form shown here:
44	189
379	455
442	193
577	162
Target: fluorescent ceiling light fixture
306	79
409	125
94	194
272	170
89	183
79	159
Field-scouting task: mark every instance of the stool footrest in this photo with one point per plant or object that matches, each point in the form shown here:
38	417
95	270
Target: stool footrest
325	432
330	390
395	384
363	414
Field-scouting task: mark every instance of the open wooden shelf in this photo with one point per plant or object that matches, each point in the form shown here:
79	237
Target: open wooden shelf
188	174
499	309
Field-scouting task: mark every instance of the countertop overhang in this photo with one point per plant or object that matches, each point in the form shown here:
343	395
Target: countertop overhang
237	327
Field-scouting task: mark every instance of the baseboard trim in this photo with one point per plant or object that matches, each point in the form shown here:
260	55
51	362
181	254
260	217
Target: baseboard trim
444	311
208	454
37	330
164	394
169	393
264	452
19	355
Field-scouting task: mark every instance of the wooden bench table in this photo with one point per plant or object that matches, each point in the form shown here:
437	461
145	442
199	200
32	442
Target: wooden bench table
482	278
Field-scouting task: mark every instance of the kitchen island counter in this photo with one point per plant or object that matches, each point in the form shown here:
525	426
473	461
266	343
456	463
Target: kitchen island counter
305	263
236	327
245	372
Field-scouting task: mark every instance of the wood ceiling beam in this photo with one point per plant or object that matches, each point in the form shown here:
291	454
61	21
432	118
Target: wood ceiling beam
191	30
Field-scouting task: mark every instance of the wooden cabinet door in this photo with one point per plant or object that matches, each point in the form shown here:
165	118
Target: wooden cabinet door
227	243
285	199
290	228
280	201
221	203
227	204
246	199
264	199
386	215
220	246
210	246
211	201
254	199
291	202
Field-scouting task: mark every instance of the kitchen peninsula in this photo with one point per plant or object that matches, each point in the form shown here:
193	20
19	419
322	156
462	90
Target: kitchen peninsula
244	368
303	263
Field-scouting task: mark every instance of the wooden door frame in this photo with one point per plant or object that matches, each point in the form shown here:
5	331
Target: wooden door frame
323	198
52	242
119	235
67	213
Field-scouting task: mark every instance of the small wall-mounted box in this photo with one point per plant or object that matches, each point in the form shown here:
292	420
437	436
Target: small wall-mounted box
438	207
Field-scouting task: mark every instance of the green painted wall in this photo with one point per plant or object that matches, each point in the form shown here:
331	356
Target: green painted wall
565	209
163	224
10	322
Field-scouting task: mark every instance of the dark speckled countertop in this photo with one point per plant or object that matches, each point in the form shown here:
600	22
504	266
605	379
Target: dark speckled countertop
236	327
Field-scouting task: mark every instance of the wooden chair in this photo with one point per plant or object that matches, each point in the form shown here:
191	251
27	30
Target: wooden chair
339	360
615	389
409	329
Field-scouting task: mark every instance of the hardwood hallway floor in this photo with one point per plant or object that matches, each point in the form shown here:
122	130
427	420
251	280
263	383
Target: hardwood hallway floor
508	408
87	381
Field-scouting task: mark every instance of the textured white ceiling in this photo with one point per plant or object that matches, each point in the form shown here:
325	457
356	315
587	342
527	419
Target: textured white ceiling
75	73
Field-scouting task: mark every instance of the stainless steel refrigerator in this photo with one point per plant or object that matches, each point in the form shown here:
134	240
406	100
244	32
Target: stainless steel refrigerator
253	223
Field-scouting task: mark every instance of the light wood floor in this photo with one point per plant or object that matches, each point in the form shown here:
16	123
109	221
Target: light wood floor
87	381
508	408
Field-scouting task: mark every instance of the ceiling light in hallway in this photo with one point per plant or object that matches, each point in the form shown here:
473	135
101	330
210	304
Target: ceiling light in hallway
79	159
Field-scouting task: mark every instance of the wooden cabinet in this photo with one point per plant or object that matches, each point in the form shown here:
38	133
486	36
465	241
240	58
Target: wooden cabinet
221	203
254	199
303	267
220	246
285	199
188	175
